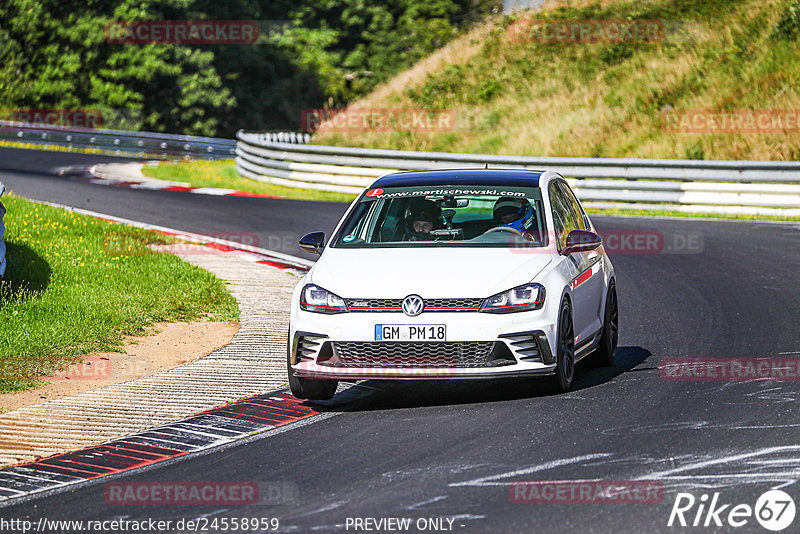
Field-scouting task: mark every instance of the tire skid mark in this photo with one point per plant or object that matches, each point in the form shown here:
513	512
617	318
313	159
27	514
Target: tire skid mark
777	466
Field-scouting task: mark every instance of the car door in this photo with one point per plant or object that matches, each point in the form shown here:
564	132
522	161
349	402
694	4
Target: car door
564	223
577	262
589	284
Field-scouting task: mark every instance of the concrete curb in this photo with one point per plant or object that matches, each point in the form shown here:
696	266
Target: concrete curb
130	175
252	363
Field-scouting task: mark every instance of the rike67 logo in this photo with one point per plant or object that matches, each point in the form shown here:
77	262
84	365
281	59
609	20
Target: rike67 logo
774	510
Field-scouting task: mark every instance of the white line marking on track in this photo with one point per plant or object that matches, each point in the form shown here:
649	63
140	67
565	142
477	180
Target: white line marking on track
491	479
197	237
725	459
425	503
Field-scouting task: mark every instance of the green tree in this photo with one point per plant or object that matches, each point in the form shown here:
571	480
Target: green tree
55	54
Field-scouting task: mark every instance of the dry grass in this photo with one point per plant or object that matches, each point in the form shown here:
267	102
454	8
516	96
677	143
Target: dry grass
456	52
601	99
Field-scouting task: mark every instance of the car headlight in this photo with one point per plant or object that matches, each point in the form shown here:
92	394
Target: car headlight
518	299
316	299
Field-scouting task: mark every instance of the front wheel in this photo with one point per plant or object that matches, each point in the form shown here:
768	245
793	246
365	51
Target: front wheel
303	388
561	381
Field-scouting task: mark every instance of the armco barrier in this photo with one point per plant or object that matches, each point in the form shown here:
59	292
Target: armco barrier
130	142
2	233
754	187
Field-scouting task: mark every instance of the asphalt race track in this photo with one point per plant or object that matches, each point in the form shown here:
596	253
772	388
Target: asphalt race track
450	450
274	224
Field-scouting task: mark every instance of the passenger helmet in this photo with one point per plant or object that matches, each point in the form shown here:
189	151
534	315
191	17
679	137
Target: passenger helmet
521	210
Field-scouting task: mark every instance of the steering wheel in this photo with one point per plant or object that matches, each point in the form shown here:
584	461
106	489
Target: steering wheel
503	229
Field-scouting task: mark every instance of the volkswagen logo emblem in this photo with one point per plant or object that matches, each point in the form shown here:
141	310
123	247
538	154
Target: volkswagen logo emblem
413	305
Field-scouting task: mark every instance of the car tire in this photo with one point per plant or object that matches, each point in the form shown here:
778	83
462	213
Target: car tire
303	388
603	355
561	380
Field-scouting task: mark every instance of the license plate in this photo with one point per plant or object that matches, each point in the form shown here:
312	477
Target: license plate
409	332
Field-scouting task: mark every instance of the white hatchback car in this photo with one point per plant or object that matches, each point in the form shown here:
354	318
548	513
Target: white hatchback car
454	274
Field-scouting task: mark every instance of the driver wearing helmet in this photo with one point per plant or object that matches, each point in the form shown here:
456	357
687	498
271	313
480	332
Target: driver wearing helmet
515	213
421	217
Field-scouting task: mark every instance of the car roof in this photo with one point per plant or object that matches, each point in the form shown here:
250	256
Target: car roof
511	177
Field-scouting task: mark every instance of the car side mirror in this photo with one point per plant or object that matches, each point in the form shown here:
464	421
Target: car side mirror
313	242
581	241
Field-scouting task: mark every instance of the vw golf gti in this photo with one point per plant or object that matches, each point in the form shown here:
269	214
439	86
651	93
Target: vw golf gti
450	274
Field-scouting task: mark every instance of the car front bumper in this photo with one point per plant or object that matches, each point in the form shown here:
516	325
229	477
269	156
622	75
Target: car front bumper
343	346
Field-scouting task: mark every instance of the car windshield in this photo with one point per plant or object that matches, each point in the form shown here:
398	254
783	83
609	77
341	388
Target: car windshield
445	216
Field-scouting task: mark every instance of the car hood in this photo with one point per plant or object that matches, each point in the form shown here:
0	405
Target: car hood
431	273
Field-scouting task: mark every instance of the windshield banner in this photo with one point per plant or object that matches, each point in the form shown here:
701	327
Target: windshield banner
473	190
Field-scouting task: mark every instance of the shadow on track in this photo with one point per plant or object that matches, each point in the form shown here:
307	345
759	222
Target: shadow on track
395	394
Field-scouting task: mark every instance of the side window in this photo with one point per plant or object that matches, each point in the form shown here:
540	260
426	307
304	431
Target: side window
562	215
354	224
580	217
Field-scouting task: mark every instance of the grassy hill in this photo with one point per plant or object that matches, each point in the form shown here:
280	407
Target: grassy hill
606	99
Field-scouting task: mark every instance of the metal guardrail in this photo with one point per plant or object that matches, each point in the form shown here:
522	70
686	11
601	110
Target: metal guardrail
118	141
129	142
2	233
755	187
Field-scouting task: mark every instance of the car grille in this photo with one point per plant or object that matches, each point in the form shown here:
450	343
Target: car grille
414	354
431	305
